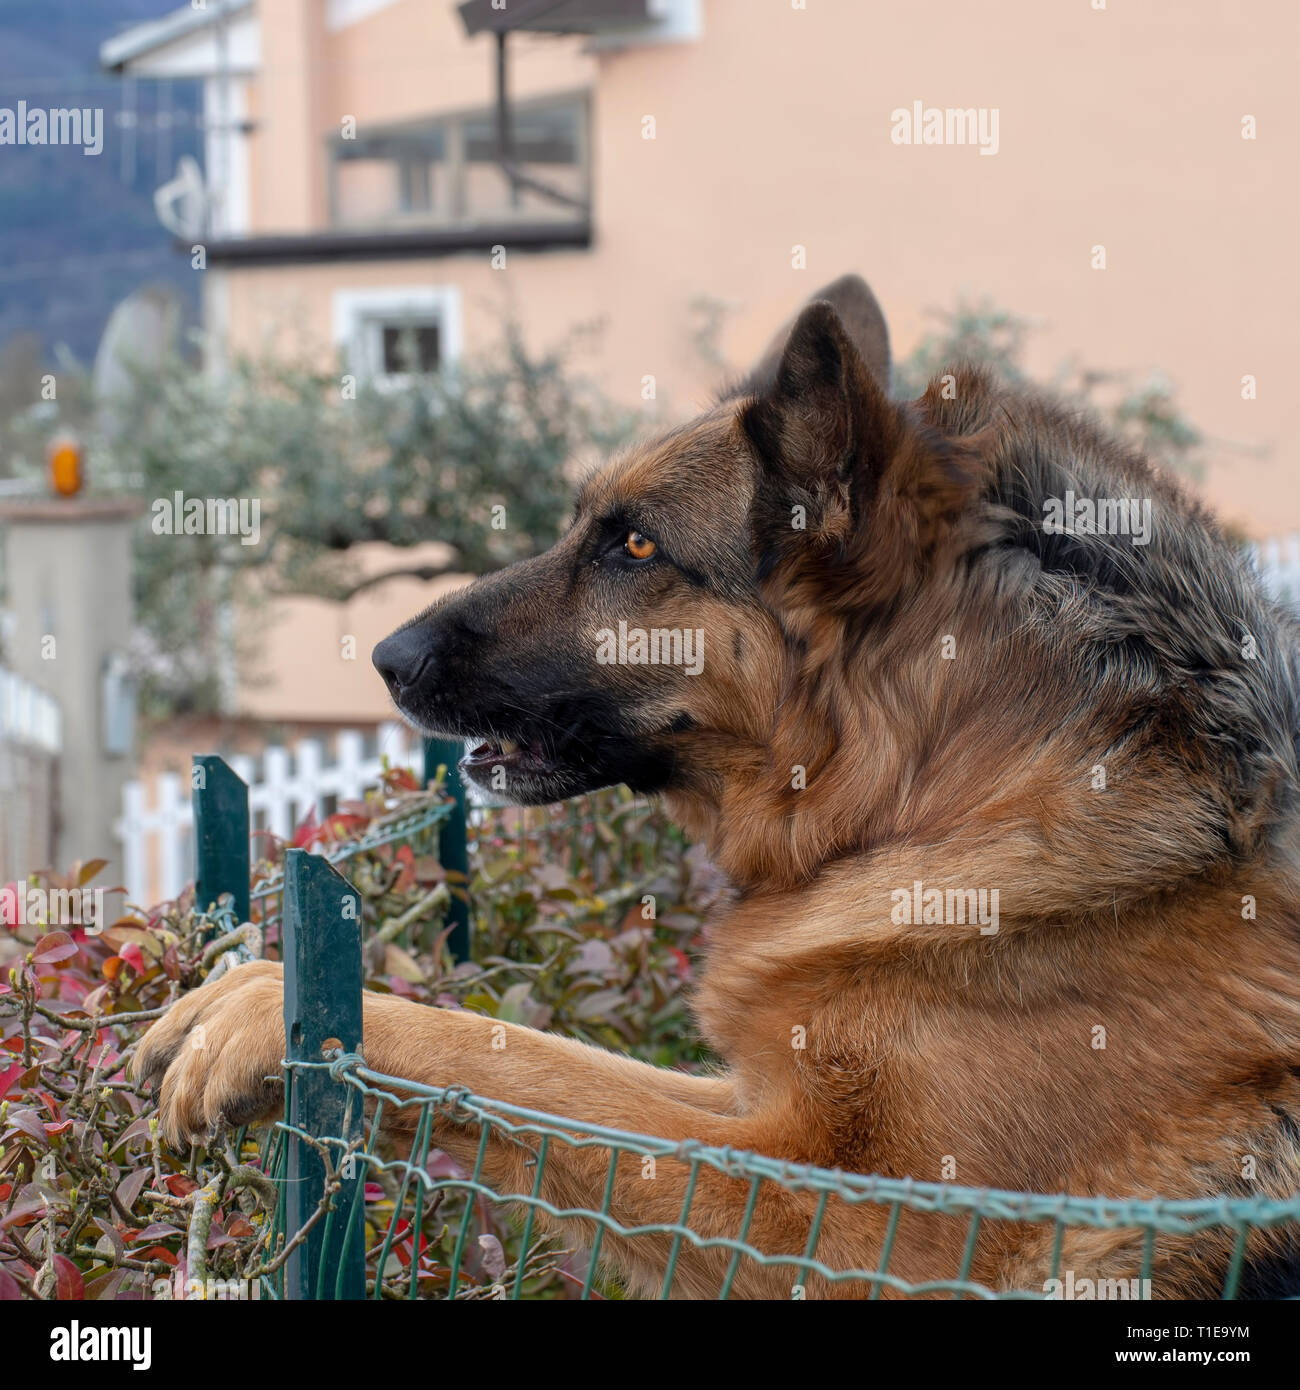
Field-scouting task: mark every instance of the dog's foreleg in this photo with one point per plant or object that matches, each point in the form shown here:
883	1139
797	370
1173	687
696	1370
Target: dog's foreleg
562	1077
209	1059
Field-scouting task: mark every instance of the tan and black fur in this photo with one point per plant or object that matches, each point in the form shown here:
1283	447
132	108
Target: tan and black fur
906	678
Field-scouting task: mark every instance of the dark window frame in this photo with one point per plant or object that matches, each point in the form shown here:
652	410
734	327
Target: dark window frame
449	127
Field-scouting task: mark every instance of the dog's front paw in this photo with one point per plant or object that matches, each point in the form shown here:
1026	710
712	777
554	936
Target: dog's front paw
208	1059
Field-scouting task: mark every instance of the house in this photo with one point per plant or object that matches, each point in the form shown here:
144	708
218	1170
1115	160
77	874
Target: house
686	171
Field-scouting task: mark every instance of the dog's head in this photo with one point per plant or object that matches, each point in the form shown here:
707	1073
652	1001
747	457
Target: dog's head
641	648
821	619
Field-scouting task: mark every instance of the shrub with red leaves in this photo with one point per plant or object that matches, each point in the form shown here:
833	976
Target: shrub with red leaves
585	926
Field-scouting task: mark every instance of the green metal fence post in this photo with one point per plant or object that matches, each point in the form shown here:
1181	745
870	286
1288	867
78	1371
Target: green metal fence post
322	1001
453	847
221	830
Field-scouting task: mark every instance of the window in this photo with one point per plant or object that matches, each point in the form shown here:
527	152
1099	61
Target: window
447	170
390	334
409	347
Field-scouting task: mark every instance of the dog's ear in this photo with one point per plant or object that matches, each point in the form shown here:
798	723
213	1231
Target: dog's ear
862	321
850	482
824	425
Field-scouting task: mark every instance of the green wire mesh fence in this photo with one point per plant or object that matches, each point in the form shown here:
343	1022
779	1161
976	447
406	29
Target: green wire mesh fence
365	1215
431	1230
420	829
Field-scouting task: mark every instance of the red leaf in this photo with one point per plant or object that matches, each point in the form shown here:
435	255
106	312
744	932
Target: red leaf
91	1002
10	1288
402	1249
134	957
27	1121
157	1252
441	1165
74	984
59	1126
307	833
343	827
128	1190
406	858
153	1231
114	1237
107	1285
24	1213
133	1131
71	1284
180	1184
57	946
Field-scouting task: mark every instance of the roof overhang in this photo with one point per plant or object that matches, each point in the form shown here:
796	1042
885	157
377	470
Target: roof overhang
186	42
311	248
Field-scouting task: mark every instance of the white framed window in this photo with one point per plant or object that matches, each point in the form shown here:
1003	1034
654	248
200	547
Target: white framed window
386	335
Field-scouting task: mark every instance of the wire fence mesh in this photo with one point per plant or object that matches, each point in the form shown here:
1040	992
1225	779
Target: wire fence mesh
417	829
435	1230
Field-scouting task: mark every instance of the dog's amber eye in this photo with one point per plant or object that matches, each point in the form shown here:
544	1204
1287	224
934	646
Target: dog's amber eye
639	547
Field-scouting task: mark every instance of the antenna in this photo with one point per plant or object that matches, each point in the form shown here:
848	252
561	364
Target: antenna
182	204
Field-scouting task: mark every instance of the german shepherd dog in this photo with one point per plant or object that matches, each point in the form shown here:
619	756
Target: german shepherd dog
915	689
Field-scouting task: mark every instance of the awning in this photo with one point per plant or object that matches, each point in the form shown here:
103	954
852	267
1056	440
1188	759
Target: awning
557	16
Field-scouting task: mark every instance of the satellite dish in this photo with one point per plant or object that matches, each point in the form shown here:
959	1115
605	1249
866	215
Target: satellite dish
142	333
182	204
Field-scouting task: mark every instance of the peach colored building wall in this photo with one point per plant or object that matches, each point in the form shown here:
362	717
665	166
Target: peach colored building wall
1119	127
316	658
413	58
292	96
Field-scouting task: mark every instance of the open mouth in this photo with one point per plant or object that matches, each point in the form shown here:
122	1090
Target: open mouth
514	755
533	769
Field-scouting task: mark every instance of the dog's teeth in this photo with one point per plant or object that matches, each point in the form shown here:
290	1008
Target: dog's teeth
508	746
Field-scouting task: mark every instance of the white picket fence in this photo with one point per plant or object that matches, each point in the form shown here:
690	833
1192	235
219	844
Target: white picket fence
28	715
1278	563
31	737
156	828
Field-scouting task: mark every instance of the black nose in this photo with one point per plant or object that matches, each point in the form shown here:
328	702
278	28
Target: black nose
401	658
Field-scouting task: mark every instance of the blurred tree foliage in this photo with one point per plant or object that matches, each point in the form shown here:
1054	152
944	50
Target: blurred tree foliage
479	458
1143	411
